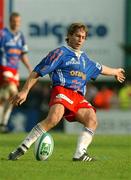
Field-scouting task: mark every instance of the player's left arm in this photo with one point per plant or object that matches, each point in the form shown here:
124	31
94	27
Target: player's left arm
24	54
25	61
118	73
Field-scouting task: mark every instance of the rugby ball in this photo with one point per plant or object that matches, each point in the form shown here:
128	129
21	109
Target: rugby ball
43	147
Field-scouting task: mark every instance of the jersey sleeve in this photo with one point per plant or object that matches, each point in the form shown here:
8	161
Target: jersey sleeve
50	62
24	45
93	70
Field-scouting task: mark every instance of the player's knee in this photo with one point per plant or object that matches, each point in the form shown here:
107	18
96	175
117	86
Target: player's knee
92	120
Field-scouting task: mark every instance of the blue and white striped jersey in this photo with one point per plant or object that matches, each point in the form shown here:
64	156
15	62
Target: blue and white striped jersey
12	46
68	68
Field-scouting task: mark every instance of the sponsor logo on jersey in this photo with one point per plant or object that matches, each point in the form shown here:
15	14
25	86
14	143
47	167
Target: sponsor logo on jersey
72	61
11	43
78	74
14	51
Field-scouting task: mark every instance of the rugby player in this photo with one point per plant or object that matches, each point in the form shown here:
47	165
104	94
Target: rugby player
70	69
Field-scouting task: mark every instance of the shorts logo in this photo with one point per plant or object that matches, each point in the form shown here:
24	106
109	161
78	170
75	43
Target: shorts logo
62	96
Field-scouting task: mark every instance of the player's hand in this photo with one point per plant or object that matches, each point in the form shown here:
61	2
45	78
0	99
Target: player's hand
120	75
18	99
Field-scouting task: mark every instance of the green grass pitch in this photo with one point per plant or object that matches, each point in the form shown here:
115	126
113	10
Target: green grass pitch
113	153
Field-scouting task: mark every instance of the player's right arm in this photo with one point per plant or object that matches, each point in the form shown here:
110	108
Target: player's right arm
47	65
19	98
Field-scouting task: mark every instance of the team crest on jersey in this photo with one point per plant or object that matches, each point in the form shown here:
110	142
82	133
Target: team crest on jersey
98	66
72	61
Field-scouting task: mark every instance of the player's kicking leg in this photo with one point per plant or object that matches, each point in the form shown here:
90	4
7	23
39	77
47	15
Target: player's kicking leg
55	114
25	145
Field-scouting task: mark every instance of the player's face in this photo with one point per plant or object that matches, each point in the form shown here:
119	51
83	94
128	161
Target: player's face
15	23
77	39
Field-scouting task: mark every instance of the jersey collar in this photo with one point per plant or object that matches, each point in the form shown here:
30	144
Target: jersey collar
77	53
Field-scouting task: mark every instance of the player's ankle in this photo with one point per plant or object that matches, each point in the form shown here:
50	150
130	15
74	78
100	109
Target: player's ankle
24	147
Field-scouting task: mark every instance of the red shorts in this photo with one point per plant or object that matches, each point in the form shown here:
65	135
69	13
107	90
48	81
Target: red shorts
71	100
8	75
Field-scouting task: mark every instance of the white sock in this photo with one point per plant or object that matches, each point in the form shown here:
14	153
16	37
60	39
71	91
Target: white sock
84	141
32	137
